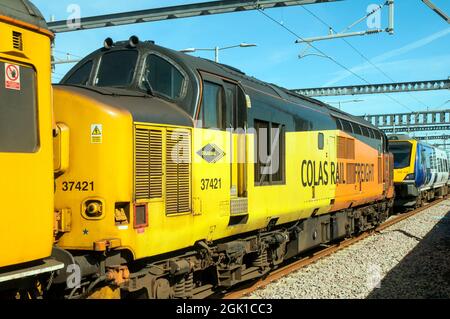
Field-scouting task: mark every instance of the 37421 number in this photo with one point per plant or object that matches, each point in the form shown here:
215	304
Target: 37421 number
78	186
211	183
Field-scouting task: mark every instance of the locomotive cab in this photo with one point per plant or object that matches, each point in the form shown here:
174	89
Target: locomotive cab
420	171
132	67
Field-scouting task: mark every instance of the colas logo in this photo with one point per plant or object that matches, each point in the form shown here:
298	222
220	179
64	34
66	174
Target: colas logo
211	153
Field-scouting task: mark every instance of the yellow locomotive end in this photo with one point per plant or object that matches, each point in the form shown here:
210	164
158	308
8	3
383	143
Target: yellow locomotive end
26	184
96	187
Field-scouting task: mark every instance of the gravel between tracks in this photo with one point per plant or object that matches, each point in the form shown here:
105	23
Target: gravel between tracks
410	259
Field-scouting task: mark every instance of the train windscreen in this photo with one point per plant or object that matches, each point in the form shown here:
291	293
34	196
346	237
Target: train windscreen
81	75
402	153
117	68
163	77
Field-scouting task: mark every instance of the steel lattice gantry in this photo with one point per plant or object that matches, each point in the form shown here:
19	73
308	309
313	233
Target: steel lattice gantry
411	122
445	146
442	141
407	129
410	119
175	12
433	137
377	88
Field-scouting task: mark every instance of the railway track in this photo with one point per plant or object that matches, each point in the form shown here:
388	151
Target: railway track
329	250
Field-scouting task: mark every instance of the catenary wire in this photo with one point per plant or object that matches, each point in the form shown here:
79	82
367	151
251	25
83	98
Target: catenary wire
360	53
329	57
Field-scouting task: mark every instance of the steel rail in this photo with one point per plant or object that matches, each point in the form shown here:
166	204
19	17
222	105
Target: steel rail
297	265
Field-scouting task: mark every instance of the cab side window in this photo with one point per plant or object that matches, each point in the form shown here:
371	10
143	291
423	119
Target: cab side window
270	153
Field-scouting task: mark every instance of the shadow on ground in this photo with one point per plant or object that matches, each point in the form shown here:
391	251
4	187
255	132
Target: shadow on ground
425	271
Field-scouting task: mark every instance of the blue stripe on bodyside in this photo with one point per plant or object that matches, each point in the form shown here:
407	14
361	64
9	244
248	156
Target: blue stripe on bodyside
428	154
419	167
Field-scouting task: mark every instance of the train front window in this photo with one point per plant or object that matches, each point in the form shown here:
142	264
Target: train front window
81	75
402	153
117	68
162	77
18	109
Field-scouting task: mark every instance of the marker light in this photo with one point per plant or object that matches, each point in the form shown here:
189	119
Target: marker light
108	43
134	41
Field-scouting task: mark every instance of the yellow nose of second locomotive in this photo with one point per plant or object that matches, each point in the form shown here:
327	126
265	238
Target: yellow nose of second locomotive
97	180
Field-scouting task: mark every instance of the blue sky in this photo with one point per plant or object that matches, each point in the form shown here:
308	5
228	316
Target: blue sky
419	50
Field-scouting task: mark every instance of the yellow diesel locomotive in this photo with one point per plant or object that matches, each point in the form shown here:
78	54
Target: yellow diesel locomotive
187	176
26	150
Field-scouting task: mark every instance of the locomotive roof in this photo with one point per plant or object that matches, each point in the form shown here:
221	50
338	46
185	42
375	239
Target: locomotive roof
200	64
399	137
22	10
249	81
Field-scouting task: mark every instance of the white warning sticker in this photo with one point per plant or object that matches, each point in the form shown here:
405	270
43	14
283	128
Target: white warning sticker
96	134
12	76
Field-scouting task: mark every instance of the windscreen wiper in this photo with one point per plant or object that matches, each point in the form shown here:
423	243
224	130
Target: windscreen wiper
148	87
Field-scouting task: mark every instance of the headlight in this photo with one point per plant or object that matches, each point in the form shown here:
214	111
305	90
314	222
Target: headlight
410	177
93	209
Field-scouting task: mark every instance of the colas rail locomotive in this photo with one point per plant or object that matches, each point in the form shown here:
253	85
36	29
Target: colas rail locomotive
170	189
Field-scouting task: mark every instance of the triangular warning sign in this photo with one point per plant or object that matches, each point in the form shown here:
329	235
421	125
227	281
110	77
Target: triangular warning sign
96	131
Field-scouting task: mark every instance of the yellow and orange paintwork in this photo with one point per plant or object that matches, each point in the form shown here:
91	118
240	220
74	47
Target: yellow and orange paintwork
26	183
362	193
110	166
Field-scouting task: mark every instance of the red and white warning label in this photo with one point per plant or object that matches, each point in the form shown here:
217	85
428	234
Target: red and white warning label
12	76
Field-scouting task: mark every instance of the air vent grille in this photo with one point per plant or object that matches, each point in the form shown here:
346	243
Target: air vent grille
17	41
148	164
178	167
345	148
163	167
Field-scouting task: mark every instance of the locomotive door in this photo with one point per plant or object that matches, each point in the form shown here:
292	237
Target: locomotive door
236	110
223	113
